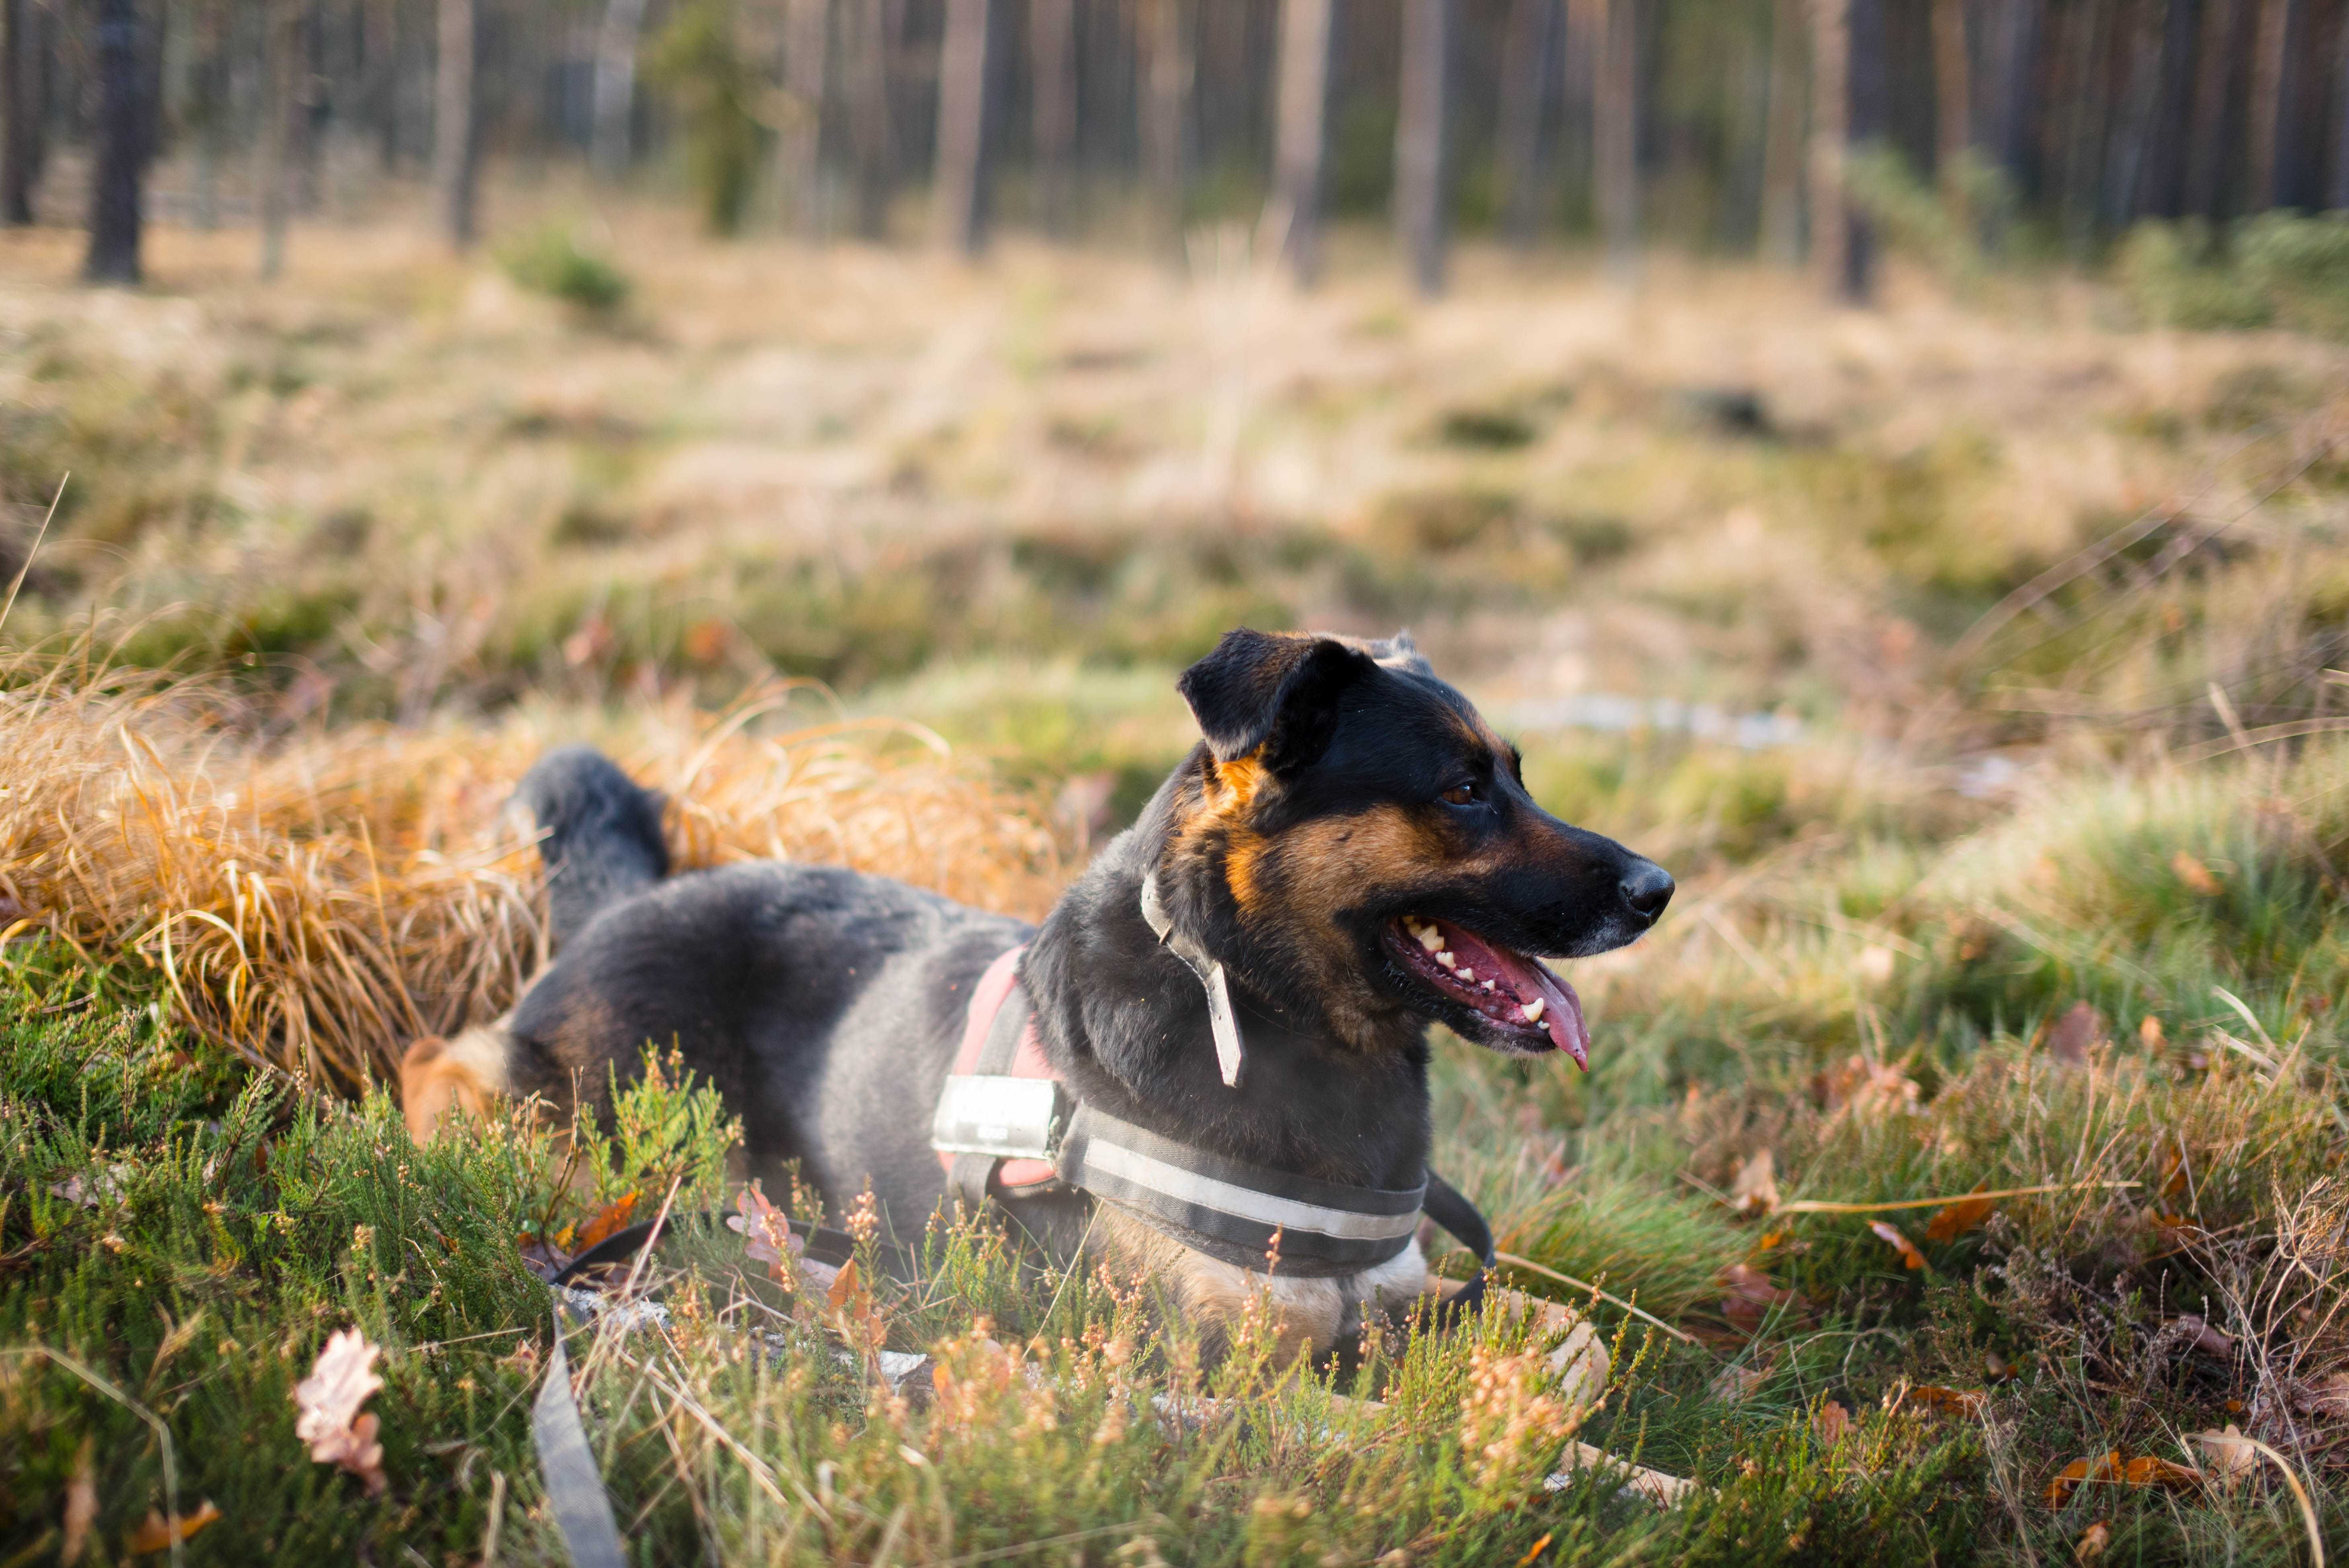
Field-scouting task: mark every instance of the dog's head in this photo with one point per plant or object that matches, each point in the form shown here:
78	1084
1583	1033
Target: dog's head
1353	831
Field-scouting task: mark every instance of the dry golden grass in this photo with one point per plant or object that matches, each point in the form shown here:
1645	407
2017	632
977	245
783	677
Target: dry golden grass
312	903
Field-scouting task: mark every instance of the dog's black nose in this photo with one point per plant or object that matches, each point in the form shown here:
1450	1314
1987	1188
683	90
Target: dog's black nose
1647	888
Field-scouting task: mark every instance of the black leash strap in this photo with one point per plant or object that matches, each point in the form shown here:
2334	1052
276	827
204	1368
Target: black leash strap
1447	1207
574	1486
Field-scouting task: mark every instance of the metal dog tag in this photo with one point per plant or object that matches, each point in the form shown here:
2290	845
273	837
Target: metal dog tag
1009	1118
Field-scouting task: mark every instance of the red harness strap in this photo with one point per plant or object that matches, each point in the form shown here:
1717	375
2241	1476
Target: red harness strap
1027	1061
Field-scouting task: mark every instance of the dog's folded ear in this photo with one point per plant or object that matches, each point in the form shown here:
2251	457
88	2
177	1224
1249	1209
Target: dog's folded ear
1276	694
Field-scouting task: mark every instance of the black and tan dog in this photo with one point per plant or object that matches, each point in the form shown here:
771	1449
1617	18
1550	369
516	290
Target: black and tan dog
1351	841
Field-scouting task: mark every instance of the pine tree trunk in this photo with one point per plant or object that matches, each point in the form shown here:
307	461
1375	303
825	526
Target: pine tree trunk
2337	197
208	106
1294	214
302	136
1527	51
807	47
1052	73
1419	185
379	80
2267	111
455	137
1583	46
1168	71
2205	142
867	41
280	22
1952	107
121	134
1830	124
16	112
2083	137
958	194
2133	127
614	96
1615	138
1782	147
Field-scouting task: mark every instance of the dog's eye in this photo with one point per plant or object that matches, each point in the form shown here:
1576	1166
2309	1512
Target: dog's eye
1463	795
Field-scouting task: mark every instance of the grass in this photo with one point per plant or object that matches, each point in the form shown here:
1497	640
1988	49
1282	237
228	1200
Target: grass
2038	881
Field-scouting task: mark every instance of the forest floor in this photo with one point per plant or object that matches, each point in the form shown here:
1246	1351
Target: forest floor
1970	659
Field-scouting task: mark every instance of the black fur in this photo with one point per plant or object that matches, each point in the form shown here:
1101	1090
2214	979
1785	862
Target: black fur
825	1006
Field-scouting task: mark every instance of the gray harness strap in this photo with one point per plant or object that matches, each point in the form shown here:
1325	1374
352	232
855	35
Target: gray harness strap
574	1489
1244	1215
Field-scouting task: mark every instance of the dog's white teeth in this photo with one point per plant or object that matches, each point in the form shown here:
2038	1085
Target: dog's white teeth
1488	985
1430	938
1533	1010
1445	958
1467	974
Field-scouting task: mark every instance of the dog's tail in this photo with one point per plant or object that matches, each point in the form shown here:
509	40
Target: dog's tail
603	834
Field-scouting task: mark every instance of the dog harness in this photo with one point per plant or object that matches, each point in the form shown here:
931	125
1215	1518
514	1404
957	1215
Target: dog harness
1007	1128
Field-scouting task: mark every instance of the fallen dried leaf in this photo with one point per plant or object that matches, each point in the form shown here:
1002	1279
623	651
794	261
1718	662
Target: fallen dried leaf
1755	1189
157	1535
2149	1034
1967	1404
611	1218
1955	1220
2094	1542
844	1287
1831	1422
2227	1456
1751	1297
2101	1468
767	1236
1741	1381
329	1399
2202	1337
2076	1034
2147	1470
2327	1396
2195	875
81	1502
1866	1089
1909	1256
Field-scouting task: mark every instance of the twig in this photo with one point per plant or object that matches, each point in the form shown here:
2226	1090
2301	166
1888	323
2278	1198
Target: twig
1819	1206
2300	1495
26	570
1514	1262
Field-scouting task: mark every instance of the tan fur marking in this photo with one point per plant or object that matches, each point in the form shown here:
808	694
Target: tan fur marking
1309	1316
437	1077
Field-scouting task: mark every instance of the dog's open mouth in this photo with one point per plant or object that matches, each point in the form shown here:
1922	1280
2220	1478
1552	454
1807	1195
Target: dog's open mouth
1531	1009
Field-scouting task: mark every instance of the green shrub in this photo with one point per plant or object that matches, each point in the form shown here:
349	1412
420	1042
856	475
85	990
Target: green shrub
551	261
2278	269
698	57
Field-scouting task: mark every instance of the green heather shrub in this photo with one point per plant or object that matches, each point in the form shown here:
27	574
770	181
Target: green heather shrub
2280	269
551	260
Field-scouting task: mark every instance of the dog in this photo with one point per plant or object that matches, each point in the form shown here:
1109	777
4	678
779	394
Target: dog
1347	855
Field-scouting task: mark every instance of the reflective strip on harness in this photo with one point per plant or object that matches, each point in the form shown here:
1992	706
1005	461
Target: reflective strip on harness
1126	1170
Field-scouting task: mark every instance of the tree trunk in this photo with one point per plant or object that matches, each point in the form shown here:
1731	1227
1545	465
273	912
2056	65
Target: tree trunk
379	76
280	22
613	97
1168	72
2338	196
958	193
120	162
17	74
2206	143
1782	147
807	47
1581	50
1527	52
1616	138
1830	126
306	90
867	42
2267	109
1053	102
208	106
1294	214
2083	137
455	137
1419	204
1954	133
2133	127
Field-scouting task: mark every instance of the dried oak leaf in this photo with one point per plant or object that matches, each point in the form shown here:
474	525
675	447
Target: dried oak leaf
2195	876
2099	1468
612	1218
1909	1256
2094	1542
157	1534
766	1235
2075	1033
1755	1189
1739	1381
1831	1422
1967	1404
2147	1471
1751	1296
1954	1220
329	1400
2227	1456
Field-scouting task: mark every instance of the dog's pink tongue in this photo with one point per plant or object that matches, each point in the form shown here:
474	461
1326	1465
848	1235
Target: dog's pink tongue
1530	977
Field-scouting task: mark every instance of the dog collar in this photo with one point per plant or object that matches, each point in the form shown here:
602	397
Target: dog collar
1006	1127
1221	1021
